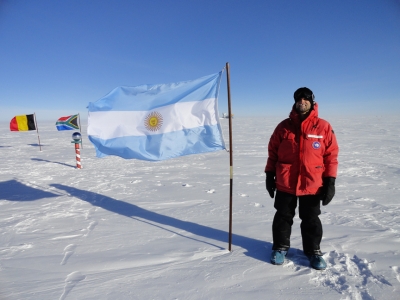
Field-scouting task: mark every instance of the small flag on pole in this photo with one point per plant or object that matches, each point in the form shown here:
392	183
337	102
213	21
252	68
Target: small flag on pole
158	122
67	123
23	123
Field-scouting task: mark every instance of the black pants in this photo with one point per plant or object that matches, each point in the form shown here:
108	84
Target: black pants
311	227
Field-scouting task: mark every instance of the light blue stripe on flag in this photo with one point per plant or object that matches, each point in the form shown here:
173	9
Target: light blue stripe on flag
158	122
147	97
64	127
162	146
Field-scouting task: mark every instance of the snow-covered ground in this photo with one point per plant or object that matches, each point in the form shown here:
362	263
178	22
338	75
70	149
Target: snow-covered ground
128	229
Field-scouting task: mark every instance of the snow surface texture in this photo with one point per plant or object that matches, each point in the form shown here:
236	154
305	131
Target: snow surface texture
128	229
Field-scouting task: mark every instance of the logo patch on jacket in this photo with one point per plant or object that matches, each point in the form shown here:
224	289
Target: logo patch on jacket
316	145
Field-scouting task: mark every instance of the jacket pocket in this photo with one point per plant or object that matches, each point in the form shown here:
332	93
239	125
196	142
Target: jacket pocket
288	148
283	175
313	176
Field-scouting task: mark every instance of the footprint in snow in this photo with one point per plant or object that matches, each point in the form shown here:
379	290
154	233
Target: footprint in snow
396	270
186	185
89	213
71	280
68	251
91	226
349	276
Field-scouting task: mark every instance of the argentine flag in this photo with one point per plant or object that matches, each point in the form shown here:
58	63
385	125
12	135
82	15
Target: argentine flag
157	122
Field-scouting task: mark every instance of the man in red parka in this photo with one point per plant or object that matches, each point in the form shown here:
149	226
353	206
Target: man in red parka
302	164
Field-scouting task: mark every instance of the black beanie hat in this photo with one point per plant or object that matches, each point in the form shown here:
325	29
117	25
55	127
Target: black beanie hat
305	93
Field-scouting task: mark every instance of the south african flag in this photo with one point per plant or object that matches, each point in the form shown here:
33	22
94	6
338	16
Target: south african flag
67	123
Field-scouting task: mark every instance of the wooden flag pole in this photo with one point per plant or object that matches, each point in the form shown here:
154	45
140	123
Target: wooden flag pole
230	155
37	131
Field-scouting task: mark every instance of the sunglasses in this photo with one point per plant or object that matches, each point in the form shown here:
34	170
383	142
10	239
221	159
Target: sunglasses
309	97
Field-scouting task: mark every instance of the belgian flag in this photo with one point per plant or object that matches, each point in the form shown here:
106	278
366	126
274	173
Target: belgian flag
23	123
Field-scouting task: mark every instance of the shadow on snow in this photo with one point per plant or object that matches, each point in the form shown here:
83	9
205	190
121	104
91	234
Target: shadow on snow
13	190
257	249
54	162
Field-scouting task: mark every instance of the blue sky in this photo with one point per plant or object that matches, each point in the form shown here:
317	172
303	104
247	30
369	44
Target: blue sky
57	56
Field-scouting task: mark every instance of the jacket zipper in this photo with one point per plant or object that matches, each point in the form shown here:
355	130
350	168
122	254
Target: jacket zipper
300	157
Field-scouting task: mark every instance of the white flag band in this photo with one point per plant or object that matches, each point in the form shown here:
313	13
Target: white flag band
179	116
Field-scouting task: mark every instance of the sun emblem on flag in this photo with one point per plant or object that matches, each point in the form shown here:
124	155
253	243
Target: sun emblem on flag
153	121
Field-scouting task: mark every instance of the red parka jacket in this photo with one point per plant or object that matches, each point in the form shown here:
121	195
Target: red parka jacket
302	153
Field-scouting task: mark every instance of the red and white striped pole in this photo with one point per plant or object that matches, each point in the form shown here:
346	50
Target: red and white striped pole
77	139
78	156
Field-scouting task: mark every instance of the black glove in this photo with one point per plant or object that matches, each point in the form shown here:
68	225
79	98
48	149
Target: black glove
328	190
270	183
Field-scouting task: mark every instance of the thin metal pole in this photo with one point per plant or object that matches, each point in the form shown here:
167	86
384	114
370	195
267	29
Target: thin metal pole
230	155
79	119
37	131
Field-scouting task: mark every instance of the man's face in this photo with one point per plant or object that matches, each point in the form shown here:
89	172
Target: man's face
303	106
